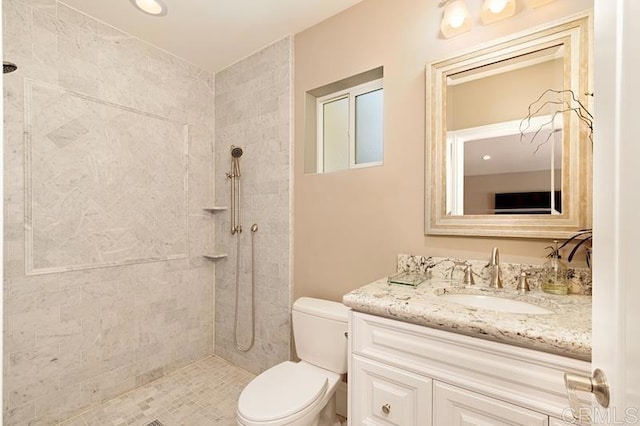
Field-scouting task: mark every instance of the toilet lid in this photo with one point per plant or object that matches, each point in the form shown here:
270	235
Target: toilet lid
281	391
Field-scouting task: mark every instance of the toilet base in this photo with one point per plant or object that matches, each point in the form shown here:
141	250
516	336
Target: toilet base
328	415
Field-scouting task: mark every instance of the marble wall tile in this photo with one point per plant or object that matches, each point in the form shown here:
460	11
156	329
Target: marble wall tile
250	113
74	338
90	165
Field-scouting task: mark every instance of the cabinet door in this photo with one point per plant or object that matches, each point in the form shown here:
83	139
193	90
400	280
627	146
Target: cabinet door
453	406
388	396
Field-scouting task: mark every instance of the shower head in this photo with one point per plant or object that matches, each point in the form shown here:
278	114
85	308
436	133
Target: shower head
236	151
8	67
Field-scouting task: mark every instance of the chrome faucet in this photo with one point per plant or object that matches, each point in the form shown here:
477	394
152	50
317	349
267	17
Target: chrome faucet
495	276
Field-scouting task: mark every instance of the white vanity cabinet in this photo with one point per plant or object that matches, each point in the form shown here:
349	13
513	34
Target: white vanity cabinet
405	374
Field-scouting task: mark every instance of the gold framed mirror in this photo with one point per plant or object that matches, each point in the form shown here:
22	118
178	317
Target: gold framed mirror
508	148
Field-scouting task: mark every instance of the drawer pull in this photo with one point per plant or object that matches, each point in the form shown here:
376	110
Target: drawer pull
386	408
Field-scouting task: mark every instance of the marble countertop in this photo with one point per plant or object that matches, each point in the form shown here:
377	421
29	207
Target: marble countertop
566	331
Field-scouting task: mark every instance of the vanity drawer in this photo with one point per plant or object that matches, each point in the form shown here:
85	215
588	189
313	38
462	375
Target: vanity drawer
455	406
388	396
521	376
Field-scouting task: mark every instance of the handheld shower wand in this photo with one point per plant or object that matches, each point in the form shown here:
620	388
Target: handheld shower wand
234	175
236	153
236	229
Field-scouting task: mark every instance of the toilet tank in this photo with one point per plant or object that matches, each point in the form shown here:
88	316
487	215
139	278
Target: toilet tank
319	331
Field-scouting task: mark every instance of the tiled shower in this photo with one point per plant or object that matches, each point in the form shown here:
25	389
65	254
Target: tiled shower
253	112
113	149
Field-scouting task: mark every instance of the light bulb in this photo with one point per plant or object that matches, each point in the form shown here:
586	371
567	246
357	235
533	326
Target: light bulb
497	6
456	20
497	10
456	14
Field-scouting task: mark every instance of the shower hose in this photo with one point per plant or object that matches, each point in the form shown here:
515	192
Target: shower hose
254	229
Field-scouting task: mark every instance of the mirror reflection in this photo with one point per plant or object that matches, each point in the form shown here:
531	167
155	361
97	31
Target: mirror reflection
494	169
490	167
508	149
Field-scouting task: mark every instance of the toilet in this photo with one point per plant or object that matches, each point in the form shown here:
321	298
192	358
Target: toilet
302	393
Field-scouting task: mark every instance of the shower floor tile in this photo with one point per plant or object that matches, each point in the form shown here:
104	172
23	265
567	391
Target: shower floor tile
202	394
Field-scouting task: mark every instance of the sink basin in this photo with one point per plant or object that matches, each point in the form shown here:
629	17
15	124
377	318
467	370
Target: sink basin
498	304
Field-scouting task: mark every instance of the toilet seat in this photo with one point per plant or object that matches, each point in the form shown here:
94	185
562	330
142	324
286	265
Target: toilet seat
287	390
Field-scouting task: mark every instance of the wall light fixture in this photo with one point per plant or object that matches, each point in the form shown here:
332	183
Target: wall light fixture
456	18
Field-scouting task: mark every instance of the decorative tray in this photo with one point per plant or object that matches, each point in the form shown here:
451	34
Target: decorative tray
412	279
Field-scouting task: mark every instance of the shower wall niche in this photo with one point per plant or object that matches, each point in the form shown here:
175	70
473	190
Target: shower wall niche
253	111
108	152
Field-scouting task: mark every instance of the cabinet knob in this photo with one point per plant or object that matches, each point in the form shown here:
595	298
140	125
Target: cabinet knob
386	408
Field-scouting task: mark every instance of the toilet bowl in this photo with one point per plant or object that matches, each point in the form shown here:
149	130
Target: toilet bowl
302	393
288	394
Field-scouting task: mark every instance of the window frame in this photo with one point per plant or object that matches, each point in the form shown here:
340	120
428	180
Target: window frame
352	93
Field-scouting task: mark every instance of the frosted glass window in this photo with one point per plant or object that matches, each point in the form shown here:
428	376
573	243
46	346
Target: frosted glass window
336	134
349	126
368	143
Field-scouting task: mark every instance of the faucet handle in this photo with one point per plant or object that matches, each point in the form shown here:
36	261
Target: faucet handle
523	284
468	275
456	264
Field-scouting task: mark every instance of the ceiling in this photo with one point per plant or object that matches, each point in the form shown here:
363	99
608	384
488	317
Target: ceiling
214	34
510	154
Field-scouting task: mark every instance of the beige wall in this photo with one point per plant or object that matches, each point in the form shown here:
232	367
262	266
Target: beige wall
349	226
501	97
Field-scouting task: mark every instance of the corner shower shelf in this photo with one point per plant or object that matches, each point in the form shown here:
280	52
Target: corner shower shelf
214	256
215	209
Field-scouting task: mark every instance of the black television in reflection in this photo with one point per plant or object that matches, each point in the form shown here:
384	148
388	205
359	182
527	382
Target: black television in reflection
527	202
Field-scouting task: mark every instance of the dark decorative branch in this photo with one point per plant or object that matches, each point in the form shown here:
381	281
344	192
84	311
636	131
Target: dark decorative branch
584	237
563	105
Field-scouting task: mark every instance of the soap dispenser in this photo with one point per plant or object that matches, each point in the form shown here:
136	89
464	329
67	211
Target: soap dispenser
554	274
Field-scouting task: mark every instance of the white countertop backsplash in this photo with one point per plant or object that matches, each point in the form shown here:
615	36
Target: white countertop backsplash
566	331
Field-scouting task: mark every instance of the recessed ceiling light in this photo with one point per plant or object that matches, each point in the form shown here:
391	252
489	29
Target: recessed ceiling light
151	7
486	157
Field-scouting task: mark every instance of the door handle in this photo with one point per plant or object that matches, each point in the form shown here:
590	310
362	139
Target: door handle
596	384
